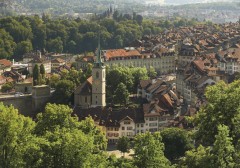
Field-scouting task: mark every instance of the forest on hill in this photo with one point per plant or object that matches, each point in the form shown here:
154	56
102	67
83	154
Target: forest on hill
22	34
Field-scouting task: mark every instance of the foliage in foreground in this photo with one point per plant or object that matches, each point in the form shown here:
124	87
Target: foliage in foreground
57	139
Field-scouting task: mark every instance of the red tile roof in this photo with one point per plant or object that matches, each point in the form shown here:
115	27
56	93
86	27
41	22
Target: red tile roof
5	63
200	64
121	53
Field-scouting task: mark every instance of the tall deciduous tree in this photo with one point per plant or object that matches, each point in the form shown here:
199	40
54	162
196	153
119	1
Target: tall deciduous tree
197	158
16	141
176	141
63	92
222	108
223	149
55	116
71	143
152	72
123	145
138	75
148	150
7	45
121	94
22	48
55	45
54	79
88	127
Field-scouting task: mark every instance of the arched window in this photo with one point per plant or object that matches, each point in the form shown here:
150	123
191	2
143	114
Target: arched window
97	74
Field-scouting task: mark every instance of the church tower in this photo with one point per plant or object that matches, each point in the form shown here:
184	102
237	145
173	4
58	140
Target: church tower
99	81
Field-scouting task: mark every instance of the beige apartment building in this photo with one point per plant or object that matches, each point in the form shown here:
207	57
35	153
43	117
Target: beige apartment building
163	61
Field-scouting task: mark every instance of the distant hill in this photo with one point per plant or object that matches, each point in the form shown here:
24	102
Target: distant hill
60	7
181	2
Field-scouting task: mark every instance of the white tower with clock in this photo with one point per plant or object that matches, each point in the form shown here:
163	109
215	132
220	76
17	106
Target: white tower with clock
99	81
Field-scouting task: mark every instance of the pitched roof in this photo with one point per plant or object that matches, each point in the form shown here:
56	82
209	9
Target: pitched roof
109	117
5	63
145	83
121	53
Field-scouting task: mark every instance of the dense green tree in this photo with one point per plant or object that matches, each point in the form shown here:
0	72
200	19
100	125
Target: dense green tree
22	48
55	45
152	72
36	75
16	141
55	116
19	30
7	45
63	92
237	154
138	75
176	141
123	145
223	150
67	148
56	30
119	75
197	158
121	94
120	162
39	32
74	76
7	87
148	150
71	46
71	143
88	127
78	36
222	108
53	80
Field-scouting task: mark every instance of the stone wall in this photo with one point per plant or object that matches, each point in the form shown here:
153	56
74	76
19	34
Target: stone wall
23	87
22	103
28	104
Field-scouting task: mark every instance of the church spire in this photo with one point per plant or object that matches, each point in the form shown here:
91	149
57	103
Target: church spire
98	59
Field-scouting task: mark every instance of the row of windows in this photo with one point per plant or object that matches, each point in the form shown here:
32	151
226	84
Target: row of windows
152	124
127	134
140	131
172	64
141	125
112	129
153	118
128	128
127	122
112	134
